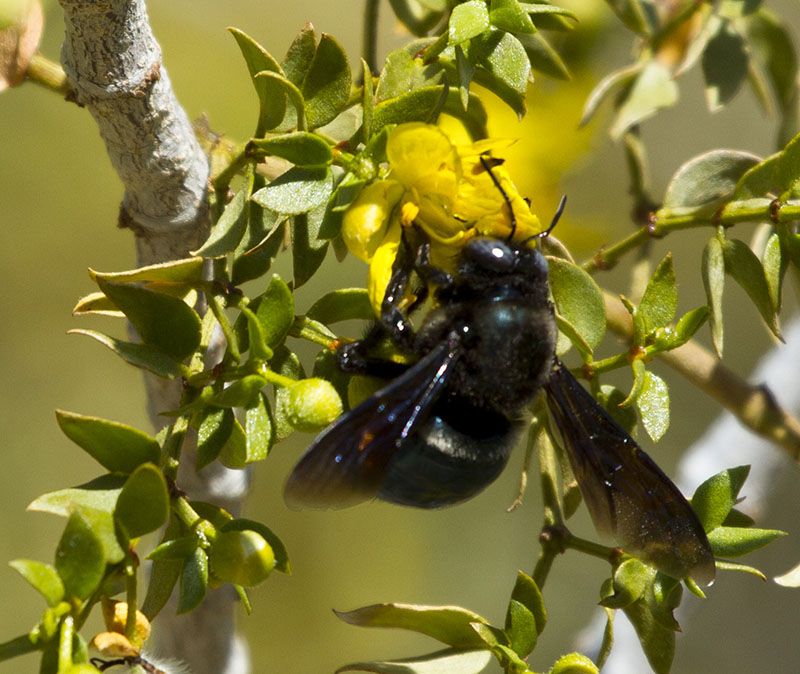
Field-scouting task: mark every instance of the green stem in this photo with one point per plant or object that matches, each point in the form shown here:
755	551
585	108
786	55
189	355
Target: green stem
184	512
369	47
305	328
173	446
48	74
131	589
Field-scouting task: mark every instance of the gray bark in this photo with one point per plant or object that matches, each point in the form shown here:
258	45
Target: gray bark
113	62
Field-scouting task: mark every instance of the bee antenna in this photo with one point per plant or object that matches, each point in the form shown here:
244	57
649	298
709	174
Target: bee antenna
559	212
513	218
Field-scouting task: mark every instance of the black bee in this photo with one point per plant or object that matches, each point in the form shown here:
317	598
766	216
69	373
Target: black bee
443	428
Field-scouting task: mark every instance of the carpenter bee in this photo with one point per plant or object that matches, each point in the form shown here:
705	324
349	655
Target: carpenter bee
443	428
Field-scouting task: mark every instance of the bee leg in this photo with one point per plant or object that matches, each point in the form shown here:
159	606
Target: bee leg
428	272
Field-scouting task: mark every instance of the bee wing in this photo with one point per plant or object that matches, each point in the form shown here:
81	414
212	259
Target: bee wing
626	493
346	464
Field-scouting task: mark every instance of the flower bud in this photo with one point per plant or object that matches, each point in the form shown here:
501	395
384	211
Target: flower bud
241	557
312	404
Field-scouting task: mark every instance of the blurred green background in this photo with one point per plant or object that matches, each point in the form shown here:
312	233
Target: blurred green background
59	199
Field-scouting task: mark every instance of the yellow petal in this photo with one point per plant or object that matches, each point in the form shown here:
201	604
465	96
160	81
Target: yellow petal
114	645
365	221
417	151
380	267
115	614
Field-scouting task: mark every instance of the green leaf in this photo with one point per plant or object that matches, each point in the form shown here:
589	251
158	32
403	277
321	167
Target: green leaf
259	351
714	499
578	299
725	64
775	264
275	311
417	17
162	321
521	628
758	180
638	15
279	83
281	556
745	268
164	575
43	578
143	504
98	494
259	428
286	363
117	447
658	642
344	304
708	179
448	624
653	405
194	581
188	270
139	355
467	20
299	55
177	548
308	249
787	169
414	106
326	85
713	271
688	325
215	428
543	58
527	593
300	148
255	262
663	595
240	392
229	229
629	584
450	661
234	453
735	542
272	99
503	65
79	557
653	89
615	80
509	16
403	73
299	190
660	300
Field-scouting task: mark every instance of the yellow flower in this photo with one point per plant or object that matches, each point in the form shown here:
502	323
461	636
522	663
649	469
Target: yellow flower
440	189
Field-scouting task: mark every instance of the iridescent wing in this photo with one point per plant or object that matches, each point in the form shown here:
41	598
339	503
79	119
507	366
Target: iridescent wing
626	493
346	464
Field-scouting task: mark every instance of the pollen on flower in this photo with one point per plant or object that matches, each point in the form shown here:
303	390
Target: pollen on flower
408	213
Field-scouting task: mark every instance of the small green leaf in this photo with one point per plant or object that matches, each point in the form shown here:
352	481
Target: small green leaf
275	311
746	269
735	542
194	581
663	595
282	86
308	249
98	494
259	428
713	271
254	262
743	568
286	363
448	624
163	321
43	578
326	85
139	355
758	180
343	304
299	190
234	453
629	584
708	179
403	73
449	661
503	66
653	89
638	15
188	270
259	351
689	324
117	447
467	20
775	265
79	558
272	100
417	17
528	594
300	148
229	229
725	63
414	106
281	556
143	504
299	55
507	15
607	86
521	628
653	405
240	392
714	499
658	642
660	300
216	426
164	575
578	299
177	548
